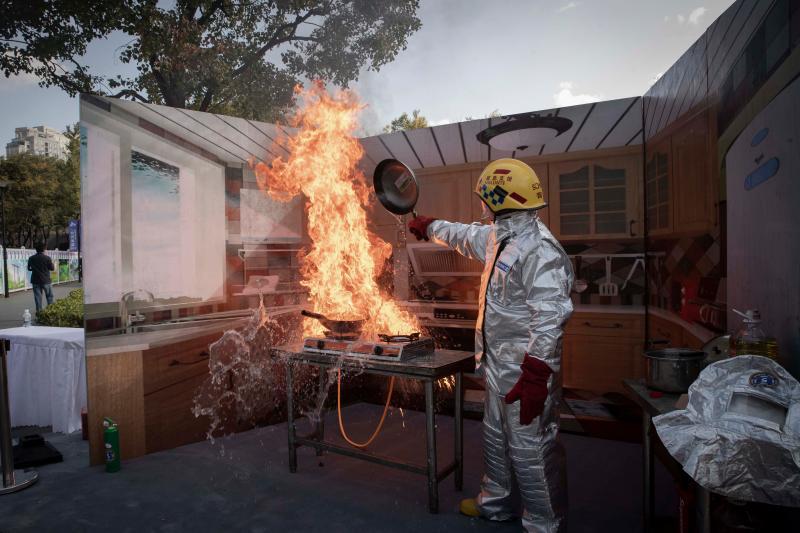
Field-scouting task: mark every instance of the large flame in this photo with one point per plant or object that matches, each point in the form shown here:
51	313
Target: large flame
345	259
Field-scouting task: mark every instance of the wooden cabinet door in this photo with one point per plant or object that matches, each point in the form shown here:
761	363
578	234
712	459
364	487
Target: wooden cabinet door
595	198
664	330
693	201
443	195
599	364
169	421
570	200
659	187
166	365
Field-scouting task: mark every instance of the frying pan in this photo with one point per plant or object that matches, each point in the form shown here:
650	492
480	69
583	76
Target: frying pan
396	187
336	326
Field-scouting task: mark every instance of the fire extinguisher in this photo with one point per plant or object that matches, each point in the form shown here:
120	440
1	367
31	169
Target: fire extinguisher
111	440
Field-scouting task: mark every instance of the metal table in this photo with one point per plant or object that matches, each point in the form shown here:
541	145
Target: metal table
653	407
428	369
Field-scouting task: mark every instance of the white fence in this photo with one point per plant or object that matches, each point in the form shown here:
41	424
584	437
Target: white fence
19	278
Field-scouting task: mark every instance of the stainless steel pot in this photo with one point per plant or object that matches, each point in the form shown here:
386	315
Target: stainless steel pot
673	369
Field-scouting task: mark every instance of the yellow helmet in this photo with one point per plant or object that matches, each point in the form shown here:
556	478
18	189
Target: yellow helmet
507	184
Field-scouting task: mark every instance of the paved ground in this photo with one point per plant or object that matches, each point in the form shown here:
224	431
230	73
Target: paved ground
11	308
242	483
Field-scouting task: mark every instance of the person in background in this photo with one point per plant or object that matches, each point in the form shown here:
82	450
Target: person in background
40	266
524	306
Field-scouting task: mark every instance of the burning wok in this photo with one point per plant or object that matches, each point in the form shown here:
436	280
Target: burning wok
340	327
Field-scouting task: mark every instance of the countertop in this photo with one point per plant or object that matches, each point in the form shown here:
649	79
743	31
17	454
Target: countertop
134	342
701	333
659	404
698	331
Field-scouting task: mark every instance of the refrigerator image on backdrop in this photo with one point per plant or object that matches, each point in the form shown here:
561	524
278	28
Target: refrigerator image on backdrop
764	222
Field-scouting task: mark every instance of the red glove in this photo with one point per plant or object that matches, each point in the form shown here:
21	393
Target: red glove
418	226
531	389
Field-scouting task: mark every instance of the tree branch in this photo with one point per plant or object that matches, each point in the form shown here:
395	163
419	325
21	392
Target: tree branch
217	5
276	40
163	86
207	98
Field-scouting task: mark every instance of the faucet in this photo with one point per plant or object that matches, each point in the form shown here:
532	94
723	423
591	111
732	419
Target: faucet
127	320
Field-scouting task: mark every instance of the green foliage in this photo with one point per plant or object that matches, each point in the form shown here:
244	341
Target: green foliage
223	56
65	313
404	122
42	196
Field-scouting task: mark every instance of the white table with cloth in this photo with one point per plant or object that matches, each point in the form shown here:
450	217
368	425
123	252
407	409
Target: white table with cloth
46	377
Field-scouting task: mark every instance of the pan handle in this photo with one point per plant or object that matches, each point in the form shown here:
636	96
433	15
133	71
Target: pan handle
312	315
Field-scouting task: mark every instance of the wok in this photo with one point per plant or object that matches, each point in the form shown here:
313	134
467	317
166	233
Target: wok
336	326
396	186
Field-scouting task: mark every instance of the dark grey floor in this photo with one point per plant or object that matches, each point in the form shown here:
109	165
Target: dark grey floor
242	483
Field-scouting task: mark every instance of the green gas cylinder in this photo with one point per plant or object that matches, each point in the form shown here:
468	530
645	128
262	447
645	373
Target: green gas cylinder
111	440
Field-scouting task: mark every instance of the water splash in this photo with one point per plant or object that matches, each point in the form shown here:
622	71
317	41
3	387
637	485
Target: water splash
246	382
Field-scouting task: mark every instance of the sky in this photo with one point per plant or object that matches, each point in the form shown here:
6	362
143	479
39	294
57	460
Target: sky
470	58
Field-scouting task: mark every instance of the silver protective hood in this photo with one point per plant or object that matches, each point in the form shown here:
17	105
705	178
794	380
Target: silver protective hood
739	436
524	305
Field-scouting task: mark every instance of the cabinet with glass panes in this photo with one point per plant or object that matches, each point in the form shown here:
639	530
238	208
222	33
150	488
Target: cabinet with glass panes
658	191
595	198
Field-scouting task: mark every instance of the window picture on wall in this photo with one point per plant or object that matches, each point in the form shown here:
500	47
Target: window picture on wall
156	211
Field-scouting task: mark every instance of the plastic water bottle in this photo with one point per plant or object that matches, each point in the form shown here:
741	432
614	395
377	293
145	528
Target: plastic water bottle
26	318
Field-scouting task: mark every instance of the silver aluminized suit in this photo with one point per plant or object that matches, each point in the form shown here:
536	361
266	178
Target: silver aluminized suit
524	305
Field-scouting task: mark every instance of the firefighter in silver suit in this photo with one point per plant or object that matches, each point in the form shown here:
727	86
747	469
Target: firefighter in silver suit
524	306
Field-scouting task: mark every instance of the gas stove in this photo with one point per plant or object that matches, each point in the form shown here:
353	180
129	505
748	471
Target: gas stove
384	348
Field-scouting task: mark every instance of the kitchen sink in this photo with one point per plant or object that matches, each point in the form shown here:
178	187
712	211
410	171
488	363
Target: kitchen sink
164	326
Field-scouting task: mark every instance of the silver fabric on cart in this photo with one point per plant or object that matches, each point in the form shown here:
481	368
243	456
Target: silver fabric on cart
739	436
524	304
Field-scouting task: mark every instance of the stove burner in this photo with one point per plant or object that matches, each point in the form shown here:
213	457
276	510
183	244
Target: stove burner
341	336
411	337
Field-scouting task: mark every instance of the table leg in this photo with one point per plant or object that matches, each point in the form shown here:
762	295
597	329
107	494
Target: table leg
458	476
13	480
647	468
319	427
433	484
703	509
290	417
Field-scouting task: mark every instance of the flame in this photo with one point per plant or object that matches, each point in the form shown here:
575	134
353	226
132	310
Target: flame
344	260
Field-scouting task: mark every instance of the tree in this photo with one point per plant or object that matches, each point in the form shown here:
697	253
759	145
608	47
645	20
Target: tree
226	56
43	194
404	122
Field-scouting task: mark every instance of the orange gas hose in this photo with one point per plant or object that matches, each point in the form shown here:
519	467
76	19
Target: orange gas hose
380	424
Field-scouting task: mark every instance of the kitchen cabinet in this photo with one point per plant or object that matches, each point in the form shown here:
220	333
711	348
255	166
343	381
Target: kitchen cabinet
444	195
602	349
675	331
658	200
661	329
595	198
172	375
150	394
680	180
694	207
169	421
